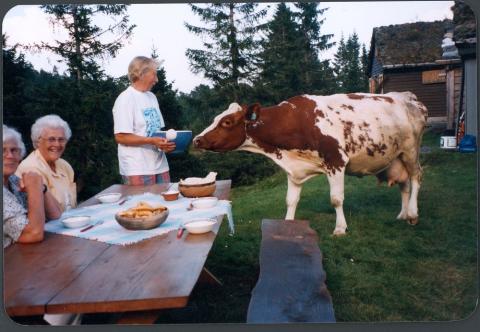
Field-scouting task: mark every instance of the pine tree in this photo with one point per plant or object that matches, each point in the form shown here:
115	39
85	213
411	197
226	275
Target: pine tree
282	54
348	67
83	46
230	47
364	62
317	76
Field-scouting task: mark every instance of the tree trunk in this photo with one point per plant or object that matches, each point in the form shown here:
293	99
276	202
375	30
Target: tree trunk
78	55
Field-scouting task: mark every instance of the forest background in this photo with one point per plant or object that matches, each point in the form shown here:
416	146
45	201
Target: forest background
246	58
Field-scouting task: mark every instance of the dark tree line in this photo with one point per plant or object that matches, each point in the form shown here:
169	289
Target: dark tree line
246	58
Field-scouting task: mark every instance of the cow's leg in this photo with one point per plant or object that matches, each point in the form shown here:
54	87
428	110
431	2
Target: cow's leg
415	172
405	193
293	196
336	182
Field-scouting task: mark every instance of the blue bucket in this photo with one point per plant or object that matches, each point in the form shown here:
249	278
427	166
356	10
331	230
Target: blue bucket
468	144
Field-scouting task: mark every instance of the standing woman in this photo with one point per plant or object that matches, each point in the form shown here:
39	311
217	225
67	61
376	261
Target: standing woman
136	117
26	200
50	135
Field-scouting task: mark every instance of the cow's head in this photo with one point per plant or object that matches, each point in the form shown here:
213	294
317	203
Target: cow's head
227	131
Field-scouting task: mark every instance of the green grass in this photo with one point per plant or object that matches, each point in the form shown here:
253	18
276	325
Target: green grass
383	269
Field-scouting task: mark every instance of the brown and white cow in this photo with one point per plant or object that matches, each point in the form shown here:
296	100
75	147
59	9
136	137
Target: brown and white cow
355	134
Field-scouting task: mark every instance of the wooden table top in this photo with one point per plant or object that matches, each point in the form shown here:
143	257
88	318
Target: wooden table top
68	274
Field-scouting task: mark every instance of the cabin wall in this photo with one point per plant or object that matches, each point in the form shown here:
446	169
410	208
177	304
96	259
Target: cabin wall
433	95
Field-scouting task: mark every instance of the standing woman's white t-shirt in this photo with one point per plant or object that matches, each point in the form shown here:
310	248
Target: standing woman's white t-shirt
137	112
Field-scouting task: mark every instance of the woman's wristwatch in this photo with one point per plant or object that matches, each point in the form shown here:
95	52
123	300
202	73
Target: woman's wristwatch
45	188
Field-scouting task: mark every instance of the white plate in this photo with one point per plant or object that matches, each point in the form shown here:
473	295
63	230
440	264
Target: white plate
204	202
109	198
200	226
75	221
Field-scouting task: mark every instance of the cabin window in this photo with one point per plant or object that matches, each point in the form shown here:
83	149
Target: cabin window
434	76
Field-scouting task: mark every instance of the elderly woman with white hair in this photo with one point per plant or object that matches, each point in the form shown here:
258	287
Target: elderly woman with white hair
26	202
136	117
50	135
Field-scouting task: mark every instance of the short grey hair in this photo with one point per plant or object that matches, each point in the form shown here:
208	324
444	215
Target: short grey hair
140	65
11	134
51	121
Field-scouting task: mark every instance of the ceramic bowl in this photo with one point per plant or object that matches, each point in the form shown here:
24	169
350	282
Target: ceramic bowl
182	141
142	223
75	221
109	198
170	195
200	226
204	202
197	190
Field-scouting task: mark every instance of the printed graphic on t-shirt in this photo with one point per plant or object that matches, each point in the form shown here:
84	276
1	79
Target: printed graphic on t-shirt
152	121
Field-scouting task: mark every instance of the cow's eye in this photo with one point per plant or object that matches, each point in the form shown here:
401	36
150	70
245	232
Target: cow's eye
227	123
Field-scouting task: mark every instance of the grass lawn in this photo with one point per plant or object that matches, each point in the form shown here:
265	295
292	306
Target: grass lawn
383	269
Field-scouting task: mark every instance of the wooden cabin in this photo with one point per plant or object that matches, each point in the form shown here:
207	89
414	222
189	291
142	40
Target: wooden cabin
409	57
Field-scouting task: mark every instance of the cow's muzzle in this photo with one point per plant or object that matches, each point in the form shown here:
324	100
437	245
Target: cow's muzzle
200	142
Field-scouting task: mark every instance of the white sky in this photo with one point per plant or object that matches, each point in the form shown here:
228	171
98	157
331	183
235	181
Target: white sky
162	26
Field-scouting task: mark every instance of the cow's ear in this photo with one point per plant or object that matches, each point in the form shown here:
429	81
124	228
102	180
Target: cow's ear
252	112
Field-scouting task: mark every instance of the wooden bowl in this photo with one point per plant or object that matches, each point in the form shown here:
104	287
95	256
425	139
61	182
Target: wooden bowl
197	190
170	195
142	223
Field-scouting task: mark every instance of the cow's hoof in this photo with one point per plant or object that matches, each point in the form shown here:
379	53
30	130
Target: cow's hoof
339	232
412	221
402	216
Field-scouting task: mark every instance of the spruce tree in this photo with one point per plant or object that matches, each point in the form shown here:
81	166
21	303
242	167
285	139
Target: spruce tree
230	46
364	62
282	57
317	76
83	46
348	67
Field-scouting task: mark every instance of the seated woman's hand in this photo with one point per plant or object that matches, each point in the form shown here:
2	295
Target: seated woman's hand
163	144
31	181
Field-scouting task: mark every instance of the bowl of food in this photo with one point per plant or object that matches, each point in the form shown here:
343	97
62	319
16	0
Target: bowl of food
200	226
198	187
200	190
170	195
181	138
109	198
143	216
204	202
75	221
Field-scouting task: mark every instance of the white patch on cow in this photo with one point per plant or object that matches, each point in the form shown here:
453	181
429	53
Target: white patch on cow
288	103
234	107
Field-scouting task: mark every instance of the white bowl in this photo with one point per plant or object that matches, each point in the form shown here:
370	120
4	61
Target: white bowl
76	221
204	202
109	198
200	226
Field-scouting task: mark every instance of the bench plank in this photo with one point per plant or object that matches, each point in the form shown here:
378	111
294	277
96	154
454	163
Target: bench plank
291	285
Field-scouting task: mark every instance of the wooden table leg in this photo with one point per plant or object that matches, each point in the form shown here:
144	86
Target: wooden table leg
138	317
207	277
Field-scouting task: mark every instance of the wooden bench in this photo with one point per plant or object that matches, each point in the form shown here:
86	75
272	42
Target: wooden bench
291	285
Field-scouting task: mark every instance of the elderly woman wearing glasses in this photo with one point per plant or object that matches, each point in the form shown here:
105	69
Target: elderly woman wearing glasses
26	203
50	135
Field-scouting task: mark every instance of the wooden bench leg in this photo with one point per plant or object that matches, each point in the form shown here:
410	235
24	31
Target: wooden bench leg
207	277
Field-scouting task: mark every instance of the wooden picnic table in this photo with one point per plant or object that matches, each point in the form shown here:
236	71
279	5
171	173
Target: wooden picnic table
65	274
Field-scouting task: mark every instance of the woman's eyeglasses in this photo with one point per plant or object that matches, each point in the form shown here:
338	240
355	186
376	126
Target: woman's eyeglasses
13	151
52	140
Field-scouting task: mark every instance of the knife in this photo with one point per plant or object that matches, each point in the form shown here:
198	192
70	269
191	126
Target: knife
92	225
180	231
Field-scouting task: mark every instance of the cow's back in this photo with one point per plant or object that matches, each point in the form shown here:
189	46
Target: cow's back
372	129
